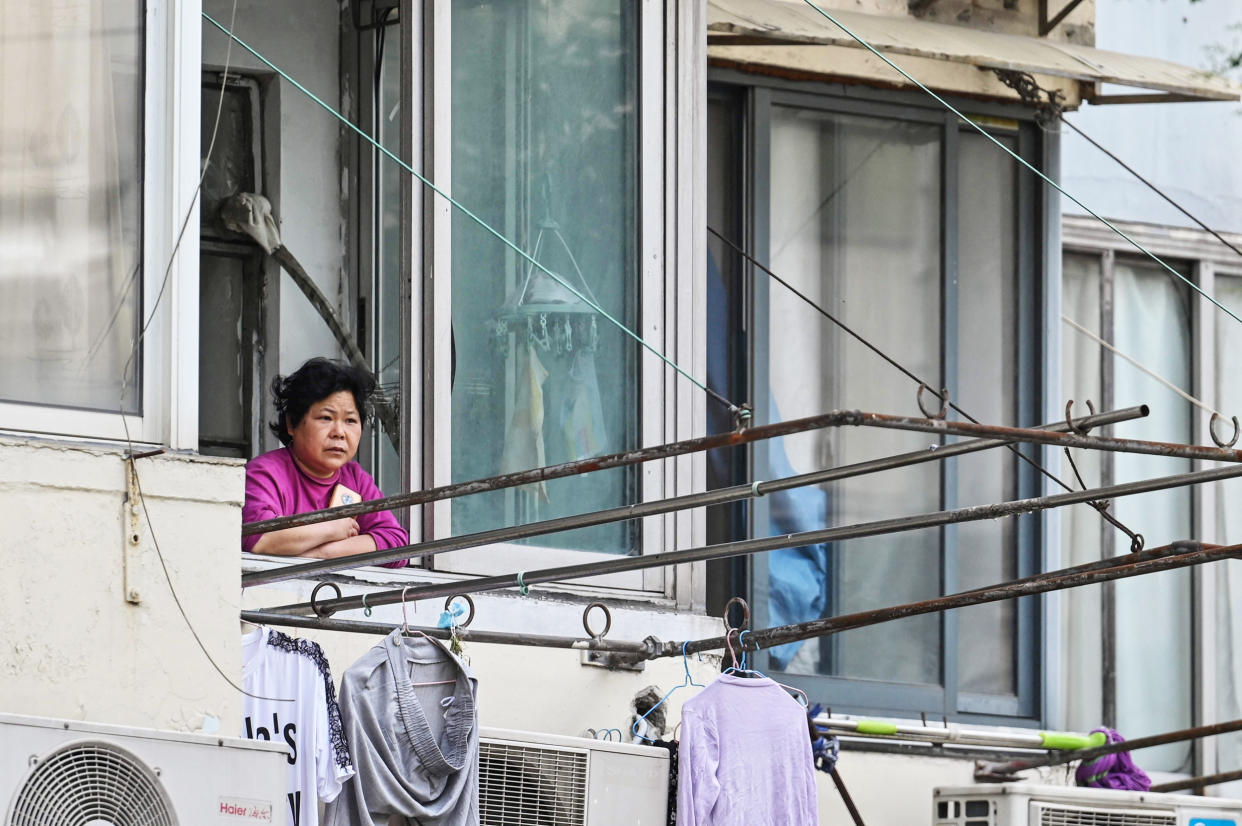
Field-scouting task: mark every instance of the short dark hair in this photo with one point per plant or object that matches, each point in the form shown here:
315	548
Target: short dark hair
314	381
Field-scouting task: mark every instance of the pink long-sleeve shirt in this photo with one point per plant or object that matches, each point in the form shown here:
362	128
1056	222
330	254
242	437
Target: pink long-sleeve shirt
745	757
276	486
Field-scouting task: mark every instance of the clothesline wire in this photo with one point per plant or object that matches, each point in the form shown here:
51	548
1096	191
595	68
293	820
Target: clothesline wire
130	458
488	228
1025	163
1099	507
1204	406
1152	186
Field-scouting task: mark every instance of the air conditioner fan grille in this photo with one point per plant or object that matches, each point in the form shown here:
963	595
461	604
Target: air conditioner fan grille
522	785
91	784
1076	816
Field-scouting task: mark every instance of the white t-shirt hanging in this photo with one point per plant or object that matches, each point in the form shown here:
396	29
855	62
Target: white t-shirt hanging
277	666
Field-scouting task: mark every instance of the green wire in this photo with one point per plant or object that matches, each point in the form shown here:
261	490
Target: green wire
1021	160
468	213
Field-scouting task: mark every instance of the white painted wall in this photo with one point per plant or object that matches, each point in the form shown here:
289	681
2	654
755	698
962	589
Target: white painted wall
73	647
1190	150
303	40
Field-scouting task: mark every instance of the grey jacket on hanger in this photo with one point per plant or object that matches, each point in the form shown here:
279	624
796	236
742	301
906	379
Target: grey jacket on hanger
415	748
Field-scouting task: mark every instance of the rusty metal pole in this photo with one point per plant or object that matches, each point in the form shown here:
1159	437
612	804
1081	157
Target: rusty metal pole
993	770
660	506
767	543
1054	581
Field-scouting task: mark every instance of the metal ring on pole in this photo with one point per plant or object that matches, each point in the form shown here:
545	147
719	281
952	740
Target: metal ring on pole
1081	430
745	614
943	395
586	620
366	609
315	609
448	604
1215	438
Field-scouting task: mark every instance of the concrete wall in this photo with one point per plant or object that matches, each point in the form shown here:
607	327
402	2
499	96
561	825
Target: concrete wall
1189	150
73	646
303	40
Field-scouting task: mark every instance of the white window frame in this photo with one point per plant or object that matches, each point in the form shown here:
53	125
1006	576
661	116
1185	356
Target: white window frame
169	379
1208	259
672	188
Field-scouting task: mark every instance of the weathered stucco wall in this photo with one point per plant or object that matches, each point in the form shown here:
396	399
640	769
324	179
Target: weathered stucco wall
1188	150
73	647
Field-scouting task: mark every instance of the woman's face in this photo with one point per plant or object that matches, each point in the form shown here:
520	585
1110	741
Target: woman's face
327	437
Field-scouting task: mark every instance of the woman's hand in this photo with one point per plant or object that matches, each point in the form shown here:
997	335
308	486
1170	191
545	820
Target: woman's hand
357	544
305	538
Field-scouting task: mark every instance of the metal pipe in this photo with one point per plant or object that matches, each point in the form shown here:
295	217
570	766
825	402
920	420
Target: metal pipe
464	634
761	544
543	474
1028	434
708	498
837	418
1054	581
991	770
1196	782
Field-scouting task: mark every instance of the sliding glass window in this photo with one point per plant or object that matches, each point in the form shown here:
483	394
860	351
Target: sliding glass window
919	235
545	135
71	120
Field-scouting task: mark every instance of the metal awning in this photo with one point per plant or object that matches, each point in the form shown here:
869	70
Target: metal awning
791	22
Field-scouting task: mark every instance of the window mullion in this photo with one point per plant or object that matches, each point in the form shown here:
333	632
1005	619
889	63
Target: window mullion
1108	591
948	371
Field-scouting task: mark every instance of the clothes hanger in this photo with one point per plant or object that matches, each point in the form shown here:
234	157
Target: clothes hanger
743	671
407	631
689	681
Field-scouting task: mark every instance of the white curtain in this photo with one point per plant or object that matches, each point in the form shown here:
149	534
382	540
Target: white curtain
1153	613
69	199
1080	525
1228	399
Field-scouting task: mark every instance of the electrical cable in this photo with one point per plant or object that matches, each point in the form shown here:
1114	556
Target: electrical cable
1100	508
125	373
1022	160
736	409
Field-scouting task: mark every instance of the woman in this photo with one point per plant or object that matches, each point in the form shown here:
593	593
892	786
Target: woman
320	411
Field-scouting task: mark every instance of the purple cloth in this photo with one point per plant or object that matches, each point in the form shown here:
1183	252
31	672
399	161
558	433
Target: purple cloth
1112	771
745	757
276	486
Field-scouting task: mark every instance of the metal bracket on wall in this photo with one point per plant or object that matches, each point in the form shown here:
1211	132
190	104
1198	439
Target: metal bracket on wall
1046	25
133	535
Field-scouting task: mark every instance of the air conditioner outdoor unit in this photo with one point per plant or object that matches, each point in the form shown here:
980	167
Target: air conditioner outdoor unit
58	772
528	779
1029	804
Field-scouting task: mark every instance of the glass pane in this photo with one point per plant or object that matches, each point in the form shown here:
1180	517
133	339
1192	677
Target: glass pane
855	225
1153	327
727	343
223	413
70	202
544	148
987	372
1081	529
233	161
385	352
